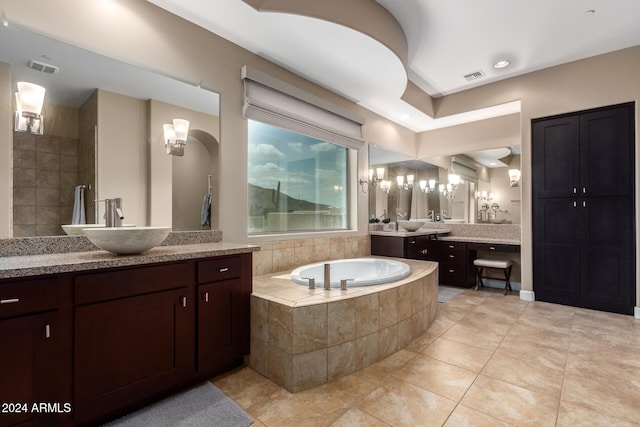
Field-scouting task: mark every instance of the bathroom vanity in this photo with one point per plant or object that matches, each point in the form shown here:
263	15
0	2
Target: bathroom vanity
91	335
453	248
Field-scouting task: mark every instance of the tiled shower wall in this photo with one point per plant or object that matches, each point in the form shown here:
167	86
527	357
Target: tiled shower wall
45	173
289	254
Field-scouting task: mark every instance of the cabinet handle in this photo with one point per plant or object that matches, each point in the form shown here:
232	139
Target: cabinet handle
575	190
206	297
424	251
584	190
413	242
491	248
575	204
47	331
451	246
584	203
452	256
183	301
224	269
9	301
451	271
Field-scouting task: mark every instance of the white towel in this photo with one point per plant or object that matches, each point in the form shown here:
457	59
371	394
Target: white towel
78	207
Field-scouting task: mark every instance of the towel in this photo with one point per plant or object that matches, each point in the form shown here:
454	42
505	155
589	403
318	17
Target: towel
79	216
206	210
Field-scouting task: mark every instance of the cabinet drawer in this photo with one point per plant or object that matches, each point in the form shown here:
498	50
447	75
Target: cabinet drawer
120	283
218	269
448	247
493	248
31	296
453	273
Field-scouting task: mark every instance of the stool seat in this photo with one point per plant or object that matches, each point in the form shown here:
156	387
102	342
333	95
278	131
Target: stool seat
502	264
492	263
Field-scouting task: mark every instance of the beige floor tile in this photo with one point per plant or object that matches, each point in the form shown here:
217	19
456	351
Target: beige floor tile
402	404
529	374
572	415
482	338
394	362
485	321
463	416
612	397
246	387
439	377
511	403
455	353
620	362
357	417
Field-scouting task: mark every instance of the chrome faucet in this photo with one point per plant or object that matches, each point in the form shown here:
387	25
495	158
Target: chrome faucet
113	212
327	276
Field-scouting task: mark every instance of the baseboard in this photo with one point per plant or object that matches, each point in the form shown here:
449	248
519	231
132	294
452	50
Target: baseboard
636	312
529	296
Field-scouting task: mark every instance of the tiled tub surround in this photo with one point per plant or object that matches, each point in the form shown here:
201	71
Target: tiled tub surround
283	255
301	338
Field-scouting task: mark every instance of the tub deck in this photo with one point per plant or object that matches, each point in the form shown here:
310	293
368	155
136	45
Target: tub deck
302	337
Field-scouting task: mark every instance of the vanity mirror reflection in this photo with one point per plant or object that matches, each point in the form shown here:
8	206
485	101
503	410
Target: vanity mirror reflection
102	130
481	191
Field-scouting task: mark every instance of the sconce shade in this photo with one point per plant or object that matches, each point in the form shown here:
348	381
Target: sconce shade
400	179
432	184
514	177
380	173
410	180
454	179
169	133
30	98
423	184
181	129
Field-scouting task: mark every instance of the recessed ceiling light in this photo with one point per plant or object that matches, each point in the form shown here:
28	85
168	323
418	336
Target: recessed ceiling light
501	64
404	117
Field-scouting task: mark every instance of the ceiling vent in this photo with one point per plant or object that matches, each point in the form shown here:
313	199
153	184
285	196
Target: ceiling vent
474	76
42	67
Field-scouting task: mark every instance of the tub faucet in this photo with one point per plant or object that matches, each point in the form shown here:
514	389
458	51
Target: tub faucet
327	276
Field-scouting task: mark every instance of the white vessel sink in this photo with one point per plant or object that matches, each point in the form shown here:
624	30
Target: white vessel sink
76	229
127	240
410	225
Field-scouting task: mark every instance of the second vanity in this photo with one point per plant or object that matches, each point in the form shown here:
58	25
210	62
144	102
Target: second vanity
453	246
96	335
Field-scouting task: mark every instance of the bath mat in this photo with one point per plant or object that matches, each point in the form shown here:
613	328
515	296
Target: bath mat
204	405
445	293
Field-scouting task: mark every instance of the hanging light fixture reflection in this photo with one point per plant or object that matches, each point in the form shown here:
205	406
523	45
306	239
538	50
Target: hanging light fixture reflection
175	136
29	101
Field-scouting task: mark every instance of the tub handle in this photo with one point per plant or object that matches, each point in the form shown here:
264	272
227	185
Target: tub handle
343	284
312	282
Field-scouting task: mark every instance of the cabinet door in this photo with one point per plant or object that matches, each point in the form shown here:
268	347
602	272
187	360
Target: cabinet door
31	370
217	325
606	152
130	348
555	157
607	254
556	249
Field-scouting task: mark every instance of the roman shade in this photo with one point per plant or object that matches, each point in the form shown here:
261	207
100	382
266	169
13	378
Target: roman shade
274	102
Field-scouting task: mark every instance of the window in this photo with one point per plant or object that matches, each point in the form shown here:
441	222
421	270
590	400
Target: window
296	183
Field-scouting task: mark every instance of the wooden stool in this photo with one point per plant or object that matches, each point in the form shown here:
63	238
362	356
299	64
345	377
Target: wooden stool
503	264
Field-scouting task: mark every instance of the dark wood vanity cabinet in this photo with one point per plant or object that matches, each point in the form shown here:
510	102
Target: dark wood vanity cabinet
133	336
35	355
223	322
104	342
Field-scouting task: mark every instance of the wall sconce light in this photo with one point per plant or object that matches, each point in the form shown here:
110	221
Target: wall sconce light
485	196
29	100
385	186
514	177
454	180
427	186
373	180
175	136
405	185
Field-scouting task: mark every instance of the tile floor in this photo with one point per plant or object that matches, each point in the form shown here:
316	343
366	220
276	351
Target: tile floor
488	360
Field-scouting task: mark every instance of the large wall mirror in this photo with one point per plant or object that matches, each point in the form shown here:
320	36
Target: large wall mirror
423	189
102	134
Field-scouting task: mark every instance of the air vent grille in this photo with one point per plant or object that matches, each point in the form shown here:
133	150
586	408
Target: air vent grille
474	76
42	67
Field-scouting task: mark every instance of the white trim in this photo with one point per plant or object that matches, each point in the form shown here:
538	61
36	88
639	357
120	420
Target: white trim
636	312
527	296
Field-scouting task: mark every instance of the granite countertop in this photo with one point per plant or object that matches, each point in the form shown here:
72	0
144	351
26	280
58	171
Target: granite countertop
404	233
34	265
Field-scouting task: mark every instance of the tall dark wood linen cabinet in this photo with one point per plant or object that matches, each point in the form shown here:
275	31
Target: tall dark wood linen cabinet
584	209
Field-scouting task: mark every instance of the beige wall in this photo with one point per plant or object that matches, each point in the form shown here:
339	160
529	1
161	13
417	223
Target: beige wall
123	155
